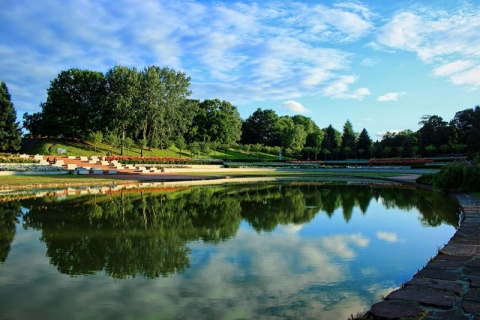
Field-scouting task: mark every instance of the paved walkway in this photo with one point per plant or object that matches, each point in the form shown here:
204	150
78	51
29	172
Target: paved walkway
448	287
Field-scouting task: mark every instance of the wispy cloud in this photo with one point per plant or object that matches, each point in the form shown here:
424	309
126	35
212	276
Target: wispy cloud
391	96
269	50
387	236
438	37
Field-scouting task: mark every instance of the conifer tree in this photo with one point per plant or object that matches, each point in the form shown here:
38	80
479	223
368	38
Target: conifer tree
10	133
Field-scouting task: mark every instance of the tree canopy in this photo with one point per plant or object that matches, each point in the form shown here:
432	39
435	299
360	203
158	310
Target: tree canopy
10	133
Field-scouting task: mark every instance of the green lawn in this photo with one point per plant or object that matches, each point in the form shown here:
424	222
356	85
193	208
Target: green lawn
50	147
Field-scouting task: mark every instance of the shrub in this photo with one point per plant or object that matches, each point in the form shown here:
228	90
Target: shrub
459	177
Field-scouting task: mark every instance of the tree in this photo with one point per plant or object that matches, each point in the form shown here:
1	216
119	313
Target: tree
473	142
348	137
10	133
95	138
415	150
331	139
194	148
111	139
373	150
292	136
149	99
180	144
462	125
128	143
314	133
337	151
430	148
386	151
175	114
74	105
122	89
364	142
434	131
400	151
204	147
33	123
261	127
217	121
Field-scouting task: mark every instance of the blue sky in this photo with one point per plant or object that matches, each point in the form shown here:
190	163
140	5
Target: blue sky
380	64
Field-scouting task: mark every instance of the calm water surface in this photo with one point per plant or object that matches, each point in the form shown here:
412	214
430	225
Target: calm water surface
240	251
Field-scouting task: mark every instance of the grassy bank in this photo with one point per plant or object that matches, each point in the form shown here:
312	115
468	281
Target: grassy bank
37	181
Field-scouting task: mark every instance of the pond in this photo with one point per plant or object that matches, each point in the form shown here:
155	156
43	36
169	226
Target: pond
309	250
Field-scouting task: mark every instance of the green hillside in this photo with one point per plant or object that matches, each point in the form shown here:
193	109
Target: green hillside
76	148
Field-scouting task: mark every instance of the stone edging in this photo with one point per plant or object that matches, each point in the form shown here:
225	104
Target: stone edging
448	287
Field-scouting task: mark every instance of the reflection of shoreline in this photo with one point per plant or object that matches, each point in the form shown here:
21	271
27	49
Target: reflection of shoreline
22	194
107	190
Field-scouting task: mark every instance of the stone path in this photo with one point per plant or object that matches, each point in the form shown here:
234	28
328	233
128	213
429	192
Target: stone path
448	287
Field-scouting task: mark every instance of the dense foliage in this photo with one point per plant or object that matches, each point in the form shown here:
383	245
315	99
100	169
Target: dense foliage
10	134
151	108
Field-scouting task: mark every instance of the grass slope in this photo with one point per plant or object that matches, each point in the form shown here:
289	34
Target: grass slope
78	148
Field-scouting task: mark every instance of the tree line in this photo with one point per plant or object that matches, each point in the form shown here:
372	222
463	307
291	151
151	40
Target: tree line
152	109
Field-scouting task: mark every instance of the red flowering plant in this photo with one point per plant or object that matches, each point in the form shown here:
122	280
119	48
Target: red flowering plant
400	161
149	160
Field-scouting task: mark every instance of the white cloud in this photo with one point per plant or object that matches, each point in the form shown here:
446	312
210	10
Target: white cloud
295	106
391	96
339	89
446	38
387	236
401	32
452	68
470	77
235	51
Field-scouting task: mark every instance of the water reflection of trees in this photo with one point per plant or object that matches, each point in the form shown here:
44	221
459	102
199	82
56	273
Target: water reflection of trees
146	233
9	215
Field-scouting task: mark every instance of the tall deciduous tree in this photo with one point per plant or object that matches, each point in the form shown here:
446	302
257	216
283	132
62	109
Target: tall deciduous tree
122	89
33	123
74	105
10	134
175	114
151	91
314	133
434	131
219	122
261	127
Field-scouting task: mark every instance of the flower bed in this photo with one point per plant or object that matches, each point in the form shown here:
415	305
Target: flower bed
29	167
159	160
9	158
400	161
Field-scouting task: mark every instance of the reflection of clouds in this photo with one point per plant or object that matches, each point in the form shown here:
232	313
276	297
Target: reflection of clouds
249	276
338	244
387	236
290	228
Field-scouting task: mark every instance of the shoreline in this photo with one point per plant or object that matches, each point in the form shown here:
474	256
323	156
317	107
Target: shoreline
448	287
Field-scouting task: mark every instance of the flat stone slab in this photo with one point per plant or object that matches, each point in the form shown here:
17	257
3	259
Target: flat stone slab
445	315
436	284
461	249
475	283
395	310
473	295
471	307
444	264
439	299
438	274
